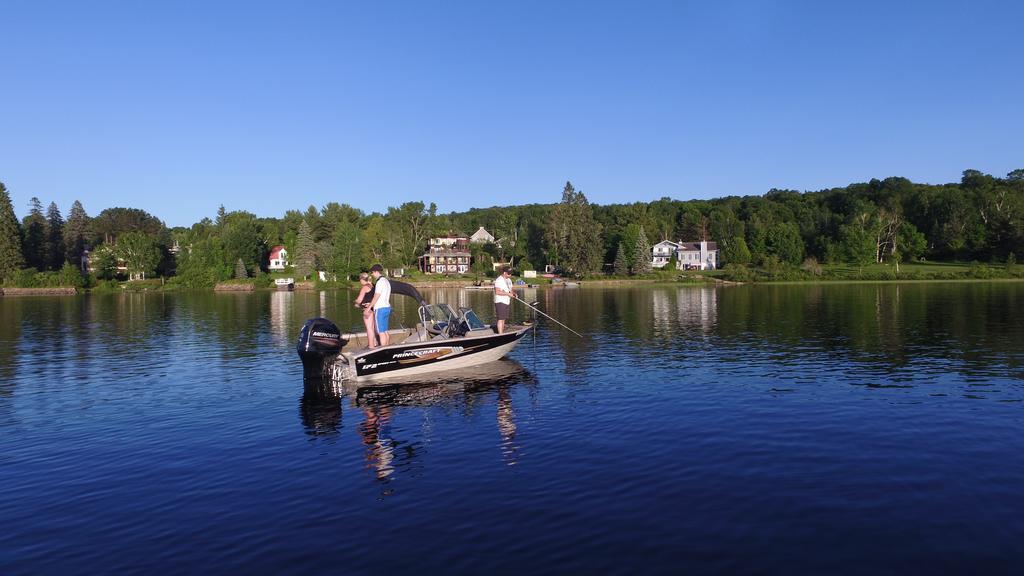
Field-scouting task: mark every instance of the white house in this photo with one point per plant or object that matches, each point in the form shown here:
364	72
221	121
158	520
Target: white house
278	258
481	236
663	252
701	255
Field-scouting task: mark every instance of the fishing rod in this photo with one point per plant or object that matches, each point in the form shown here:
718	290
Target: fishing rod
546	316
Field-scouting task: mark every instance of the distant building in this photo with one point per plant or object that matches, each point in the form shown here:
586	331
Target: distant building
662	252
701	255
278	258
89	257
446	255
481	236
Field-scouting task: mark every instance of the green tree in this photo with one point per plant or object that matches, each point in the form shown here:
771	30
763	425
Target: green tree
346	247
374	243
857	245
200	262
34	225
629	238
103	262
242	238
139	253
54	244
693	224
784	241
318	228
724	225
643	259
482	263
112	222
11	257
222	214
240	272
506	230
574	236
621	266
70	275
910	243
76	233
406	229
735	251
305	252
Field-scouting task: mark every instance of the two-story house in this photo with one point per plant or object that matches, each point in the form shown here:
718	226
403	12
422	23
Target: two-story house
701	255
446	255
662	252
278	259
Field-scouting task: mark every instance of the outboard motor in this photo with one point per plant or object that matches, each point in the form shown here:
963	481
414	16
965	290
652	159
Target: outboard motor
319	341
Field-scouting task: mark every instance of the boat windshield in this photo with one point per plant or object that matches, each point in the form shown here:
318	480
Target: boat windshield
436	314
472	320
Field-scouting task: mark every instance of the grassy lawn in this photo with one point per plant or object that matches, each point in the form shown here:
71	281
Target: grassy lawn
909	268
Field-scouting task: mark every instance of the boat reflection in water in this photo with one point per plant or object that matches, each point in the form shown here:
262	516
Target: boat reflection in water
322	408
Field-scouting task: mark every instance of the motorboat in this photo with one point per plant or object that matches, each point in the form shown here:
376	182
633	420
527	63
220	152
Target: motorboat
442	340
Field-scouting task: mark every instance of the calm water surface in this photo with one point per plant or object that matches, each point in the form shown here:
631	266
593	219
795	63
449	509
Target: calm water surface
772	430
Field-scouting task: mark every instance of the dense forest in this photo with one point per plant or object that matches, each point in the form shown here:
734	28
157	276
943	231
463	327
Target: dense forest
980	218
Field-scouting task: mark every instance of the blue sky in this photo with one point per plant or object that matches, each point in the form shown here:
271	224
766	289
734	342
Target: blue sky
179	107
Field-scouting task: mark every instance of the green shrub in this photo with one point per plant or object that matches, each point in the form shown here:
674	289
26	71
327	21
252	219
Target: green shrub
143	285
738	273
195	278
70	275
263	280
981	271
24	278
811	266
107	286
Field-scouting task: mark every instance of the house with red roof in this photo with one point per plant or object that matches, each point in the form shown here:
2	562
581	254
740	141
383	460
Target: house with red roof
278	258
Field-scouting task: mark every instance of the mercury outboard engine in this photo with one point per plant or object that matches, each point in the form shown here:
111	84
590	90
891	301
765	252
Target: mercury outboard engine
319	341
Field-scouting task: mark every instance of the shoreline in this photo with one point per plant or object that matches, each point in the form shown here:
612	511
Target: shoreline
58	291
610	283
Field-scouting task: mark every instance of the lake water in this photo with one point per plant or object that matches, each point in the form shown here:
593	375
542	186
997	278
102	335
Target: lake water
864	428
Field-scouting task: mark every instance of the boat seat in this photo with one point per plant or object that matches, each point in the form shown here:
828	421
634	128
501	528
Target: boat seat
437	329
420	334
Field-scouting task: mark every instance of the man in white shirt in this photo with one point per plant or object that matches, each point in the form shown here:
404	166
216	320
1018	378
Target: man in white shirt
381	303
502	297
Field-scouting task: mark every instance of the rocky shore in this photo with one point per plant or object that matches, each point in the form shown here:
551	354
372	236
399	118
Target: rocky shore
234	287
64	291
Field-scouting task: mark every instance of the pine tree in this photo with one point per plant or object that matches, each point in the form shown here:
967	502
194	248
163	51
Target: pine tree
574	235
34	226
11	258
222	216
53	247
621	266
240	272
76	234
305	251
642	258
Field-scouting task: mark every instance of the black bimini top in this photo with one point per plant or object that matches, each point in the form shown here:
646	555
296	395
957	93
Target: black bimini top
407	290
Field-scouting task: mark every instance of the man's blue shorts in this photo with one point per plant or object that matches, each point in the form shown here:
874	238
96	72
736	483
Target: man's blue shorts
382	319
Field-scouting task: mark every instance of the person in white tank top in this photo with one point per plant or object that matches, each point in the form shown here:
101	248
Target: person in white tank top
502	297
